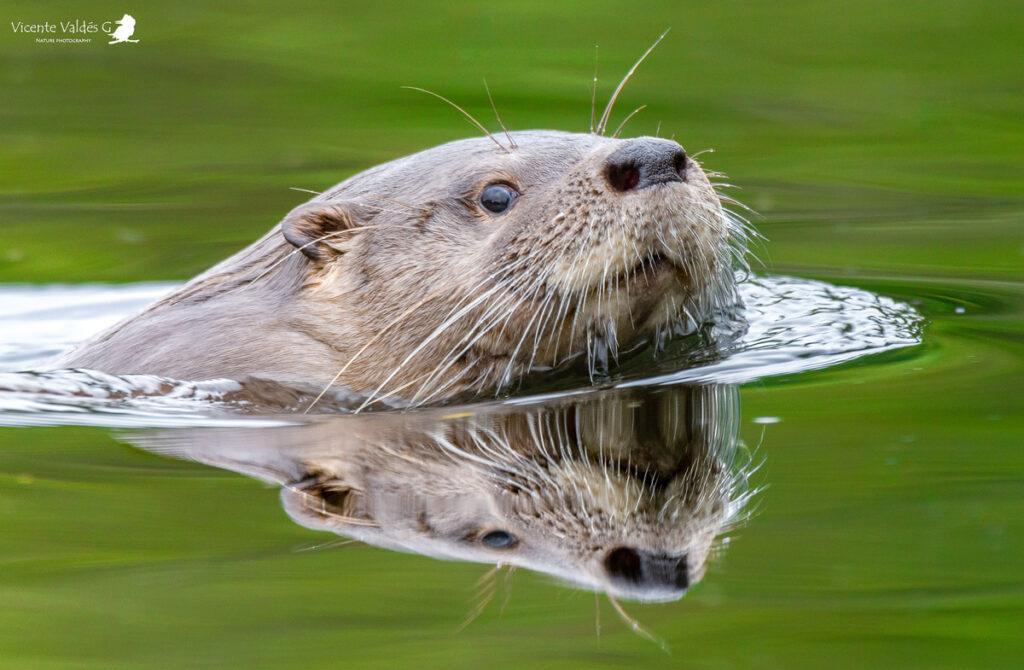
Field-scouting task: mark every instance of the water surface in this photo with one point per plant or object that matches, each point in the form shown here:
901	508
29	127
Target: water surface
880	144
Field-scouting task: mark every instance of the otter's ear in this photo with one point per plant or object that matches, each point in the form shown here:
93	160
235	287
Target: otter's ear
320	229
325	504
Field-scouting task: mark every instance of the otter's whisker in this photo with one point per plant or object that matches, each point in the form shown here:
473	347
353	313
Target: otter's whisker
546	309
626	120
568	293
603	123
475	333
502	306
593	93
519	344
449	320
479	330
464	112
437	331
373	400
452	380
414	208
511	142
298	250
376	337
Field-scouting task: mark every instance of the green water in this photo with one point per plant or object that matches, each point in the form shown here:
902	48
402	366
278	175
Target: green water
881	144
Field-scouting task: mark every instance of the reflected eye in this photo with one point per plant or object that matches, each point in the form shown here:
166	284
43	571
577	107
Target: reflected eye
498	539
497	198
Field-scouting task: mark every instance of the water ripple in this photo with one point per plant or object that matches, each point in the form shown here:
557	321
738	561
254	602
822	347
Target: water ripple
793	325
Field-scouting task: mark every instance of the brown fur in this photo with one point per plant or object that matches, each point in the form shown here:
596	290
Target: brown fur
397	282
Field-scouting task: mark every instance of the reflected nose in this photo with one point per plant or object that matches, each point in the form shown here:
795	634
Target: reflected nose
644	162
635	568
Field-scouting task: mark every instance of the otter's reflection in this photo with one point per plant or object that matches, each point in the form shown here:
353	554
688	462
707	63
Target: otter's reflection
619	492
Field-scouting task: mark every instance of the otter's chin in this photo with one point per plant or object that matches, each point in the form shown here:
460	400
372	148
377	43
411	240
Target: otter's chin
655	294
649	269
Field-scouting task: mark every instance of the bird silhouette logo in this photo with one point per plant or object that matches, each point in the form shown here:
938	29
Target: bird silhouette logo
125	29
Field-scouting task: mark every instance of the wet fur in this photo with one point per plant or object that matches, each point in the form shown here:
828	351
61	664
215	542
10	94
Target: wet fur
397	284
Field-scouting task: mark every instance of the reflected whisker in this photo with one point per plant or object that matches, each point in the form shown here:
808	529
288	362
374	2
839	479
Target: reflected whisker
333	544
635	626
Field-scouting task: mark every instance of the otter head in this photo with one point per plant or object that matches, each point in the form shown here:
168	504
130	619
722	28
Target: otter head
465	266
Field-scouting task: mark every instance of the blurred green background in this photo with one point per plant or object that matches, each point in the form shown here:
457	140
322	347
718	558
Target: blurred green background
155	160
882	144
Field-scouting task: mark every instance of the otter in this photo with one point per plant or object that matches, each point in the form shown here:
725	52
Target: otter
461	268
619	492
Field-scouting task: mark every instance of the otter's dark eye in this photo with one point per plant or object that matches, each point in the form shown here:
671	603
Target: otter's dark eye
497	198
498	539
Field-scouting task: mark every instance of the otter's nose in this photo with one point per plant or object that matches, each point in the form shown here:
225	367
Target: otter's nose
645	161
645	570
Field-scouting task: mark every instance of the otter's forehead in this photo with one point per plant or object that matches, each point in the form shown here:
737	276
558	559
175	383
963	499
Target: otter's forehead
538	156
